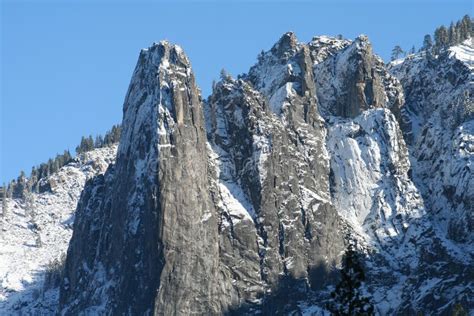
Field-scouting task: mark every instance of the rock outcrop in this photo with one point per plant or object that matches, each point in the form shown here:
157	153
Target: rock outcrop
242	202
148	226
354	80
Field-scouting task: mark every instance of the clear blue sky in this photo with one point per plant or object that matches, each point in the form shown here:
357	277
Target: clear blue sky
65	67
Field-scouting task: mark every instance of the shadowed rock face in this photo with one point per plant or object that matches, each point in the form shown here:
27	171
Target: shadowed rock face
240	203
262	159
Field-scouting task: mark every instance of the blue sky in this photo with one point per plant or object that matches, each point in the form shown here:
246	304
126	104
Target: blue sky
65	67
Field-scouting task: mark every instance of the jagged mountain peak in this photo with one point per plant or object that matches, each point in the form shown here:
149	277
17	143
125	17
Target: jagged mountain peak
361	50
166	50
284	76
360	78
362	40
336	64
322	47
162	97
285	45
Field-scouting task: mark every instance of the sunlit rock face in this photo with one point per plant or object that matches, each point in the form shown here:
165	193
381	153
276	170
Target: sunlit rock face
146	234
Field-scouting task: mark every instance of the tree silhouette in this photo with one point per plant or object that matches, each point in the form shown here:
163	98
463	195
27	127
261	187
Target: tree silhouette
347	297
397	51
427	43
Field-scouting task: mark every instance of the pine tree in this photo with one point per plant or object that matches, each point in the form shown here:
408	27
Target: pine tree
90	143
20	187
465	30
441	38
33	180
459	30
427	43
412	50
79	148
99	141
347	297
113	136
397	51
67	156
116	132
453	35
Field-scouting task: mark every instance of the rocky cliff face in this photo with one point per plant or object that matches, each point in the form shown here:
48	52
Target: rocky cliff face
241	203
148	226
354	80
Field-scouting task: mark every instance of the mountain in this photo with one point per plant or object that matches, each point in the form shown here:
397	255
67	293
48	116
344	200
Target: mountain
244	202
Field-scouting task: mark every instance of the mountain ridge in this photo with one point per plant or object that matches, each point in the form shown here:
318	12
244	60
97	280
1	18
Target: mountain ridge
313	143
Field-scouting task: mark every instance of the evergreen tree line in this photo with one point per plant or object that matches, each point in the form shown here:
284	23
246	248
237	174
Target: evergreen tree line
89	143
443	36
20	187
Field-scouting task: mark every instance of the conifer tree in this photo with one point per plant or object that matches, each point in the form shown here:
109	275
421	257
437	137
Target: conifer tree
116	131
99	141
427	43
67	156
465	30
20	187
347	297
453	34
33	180
90	143
441	38
397	51
80	147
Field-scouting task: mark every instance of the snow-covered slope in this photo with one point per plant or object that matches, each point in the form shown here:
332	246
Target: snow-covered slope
438	125
464	52
36	232
439	118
